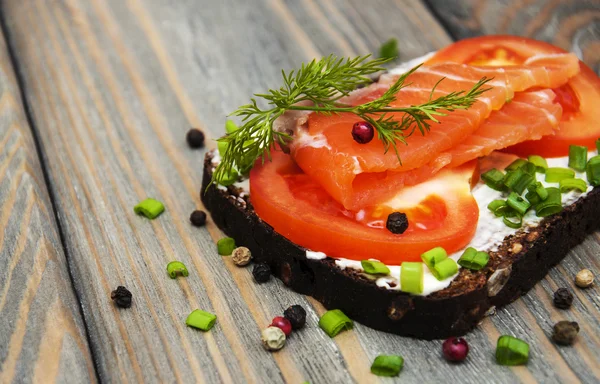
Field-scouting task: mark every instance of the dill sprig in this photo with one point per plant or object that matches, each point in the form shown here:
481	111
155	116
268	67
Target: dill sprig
321	84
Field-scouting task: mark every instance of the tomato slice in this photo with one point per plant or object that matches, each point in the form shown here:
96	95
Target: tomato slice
441	212
580	123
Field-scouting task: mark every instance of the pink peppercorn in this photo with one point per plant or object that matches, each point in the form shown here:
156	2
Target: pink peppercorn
283	324
455	349
362	132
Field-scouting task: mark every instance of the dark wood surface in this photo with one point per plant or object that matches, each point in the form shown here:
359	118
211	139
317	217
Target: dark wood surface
112	87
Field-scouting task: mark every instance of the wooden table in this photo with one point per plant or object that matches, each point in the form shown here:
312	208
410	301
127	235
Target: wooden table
95	101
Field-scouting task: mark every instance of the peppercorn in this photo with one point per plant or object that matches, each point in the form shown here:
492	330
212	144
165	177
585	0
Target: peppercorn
296	315
455	349
241	256
261	272
283	324
565	332
563	298
362	132
584	278
397	222
121	296
198	218
273	338
195	138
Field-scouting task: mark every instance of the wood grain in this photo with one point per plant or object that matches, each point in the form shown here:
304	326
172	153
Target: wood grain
42	334
573	25
113	87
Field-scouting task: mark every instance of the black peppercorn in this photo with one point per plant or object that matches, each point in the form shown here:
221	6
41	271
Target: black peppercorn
198	218
121	296
564	332
195	138
296	315
397	222
261	272
563	298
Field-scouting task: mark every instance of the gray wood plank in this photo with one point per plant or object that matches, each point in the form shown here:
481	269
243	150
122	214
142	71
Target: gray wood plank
42	334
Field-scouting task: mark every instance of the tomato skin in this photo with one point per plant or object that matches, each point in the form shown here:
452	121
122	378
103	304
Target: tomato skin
311	220
579	97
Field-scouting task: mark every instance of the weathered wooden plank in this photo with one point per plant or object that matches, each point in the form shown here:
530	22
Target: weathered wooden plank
572	24
42	334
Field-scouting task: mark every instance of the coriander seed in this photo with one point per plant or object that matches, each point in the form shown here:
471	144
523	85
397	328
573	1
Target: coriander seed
565	332
273	338
584	278
241	256
563	298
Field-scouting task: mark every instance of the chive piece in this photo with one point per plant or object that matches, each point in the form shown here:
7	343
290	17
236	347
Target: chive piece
474	260
389	49
592	171
517	203
411	277
230	126
556	174
518	180
433	256
551	205
577	157
201	319
175	268
497	207
513	221
387	365
150	208
494	179
334	322
444	269
529	168
225	246
515	165
511	351
375	267
540	163
567	185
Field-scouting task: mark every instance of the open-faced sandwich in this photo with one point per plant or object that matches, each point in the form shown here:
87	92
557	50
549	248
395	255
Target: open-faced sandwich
421	201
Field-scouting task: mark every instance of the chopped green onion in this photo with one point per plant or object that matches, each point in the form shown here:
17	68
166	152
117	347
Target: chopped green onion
541	191
498	207
529	168
592	171
567	185
474	260
444	269
551	205
375	267
517	203
556	174
150	208
230	126
518	180
334	322
511	351
225	246
532	197
493	179
389	49
513	221
577	157
387	365
540	163
201	319
177	267
515	165
433	256
411	277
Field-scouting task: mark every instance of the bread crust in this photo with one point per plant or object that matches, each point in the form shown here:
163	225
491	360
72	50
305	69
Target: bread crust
521	261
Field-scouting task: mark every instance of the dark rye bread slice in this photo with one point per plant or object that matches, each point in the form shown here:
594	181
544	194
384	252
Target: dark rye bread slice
521	261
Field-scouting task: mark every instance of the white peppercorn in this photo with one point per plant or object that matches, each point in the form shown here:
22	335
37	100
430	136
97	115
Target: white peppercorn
584	278
241	256
273	338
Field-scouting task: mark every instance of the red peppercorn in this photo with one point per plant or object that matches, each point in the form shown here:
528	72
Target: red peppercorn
455	349
362	132
283	324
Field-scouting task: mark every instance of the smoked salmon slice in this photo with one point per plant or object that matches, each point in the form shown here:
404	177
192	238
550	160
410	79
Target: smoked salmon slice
348	171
